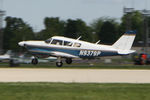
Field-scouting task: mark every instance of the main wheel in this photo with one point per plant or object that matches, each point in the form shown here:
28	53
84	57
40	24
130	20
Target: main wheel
59	64
34	61
68	60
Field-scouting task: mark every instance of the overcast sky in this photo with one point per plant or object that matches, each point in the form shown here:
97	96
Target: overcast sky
34	11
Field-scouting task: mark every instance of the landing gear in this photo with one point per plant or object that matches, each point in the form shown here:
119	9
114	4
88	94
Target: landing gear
59	63
34	61
68	60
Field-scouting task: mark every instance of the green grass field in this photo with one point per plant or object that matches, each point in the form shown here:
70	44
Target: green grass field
73	91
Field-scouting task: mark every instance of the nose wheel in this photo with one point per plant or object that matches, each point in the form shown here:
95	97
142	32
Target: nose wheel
34	61
59	62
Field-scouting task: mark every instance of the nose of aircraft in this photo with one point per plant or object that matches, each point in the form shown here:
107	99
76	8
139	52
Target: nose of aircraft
22	43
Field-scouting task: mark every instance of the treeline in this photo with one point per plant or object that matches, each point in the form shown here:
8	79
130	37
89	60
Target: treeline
106	29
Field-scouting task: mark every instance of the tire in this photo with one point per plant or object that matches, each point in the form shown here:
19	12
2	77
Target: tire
34	61
59	64
68	60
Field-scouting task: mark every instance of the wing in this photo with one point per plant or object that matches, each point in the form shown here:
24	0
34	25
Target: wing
62	54
54	53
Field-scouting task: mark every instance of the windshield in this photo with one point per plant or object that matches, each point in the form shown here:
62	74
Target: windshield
48	40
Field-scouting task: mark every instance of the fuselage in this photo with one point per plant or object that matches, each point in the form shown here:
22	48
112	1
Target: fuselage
70	48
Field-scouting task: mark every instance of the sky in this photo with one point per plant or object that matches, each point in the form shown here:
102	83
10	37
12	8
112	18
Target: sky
33	12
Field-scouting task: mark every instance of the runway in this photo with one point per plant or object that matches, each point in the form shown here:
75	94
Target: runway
74	75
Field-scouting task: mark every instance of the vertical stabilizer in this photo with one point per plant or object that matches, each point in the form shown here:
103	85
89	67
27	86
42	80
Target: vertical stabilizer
125	41
9	52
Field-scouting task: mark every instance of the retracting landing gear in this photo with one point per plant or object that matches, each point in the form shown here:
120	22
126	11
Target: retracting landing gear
34	61
68	60
59	63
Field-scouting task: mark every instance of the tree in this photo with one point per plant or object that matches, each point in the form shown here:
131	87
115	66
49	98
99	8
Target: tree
96	27
77	28
106	29
15	31
53	26
133	21
107	34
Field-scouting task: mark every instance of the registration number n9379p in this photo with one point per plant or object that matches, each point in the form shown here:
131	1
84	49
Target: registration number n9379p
89	53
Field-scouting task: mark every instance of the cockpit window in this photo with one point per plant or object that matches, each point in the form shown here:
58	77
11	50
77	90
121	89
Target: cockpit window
67	43
56	42
77	45
48	40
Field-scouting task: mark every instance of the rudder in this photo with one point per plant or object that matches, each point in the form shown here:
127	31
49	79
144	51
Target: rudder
125	41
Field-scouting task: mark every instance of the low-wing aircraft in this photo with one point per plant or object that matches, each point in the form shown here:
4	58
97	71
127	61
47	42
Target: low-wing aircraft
63	47
26	59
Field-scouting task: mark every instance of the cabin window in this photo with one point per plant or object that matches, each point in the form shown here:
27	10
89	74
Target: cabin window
77	45
67	43
56	42
48	40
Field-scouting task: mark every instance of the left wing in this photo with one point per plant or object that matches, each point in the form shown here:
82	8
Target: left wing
54	53
62	54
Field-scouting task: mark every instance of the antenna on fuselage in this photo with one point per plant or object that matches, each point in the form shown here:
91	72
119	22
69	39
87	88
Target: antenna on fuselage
79	38
98	42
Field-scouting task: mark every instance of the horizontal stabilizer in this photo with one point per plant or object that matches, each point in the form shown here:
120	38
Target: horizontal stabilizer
125	52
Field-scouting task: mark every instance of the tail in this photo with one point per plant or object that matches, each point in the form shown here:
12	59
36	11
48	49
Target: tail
124	43
9	52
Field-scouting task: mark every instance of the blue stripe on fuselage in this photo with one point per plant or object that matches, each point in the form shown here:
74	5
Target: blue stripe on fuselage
106	53
47	51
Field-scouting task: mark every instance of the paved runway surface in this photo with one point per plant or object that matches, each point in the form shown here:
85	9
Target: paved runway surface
75	75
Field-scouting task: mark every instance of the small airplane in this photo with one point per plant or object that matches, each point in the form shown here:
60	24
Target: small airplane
26	59
6	56
63	47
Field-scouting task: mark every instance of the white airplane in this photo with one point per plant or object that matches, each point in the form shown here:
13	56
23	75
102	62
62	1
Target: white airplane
6	56
27	59
63	47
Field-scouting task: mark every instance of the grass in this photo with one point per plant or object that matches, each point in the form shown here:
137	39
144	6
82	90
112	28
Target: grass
80	66
73	91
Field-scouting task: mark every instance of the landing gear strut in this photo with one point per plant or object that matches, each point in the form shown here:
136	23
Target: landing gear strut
68	60
34	61
59	63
